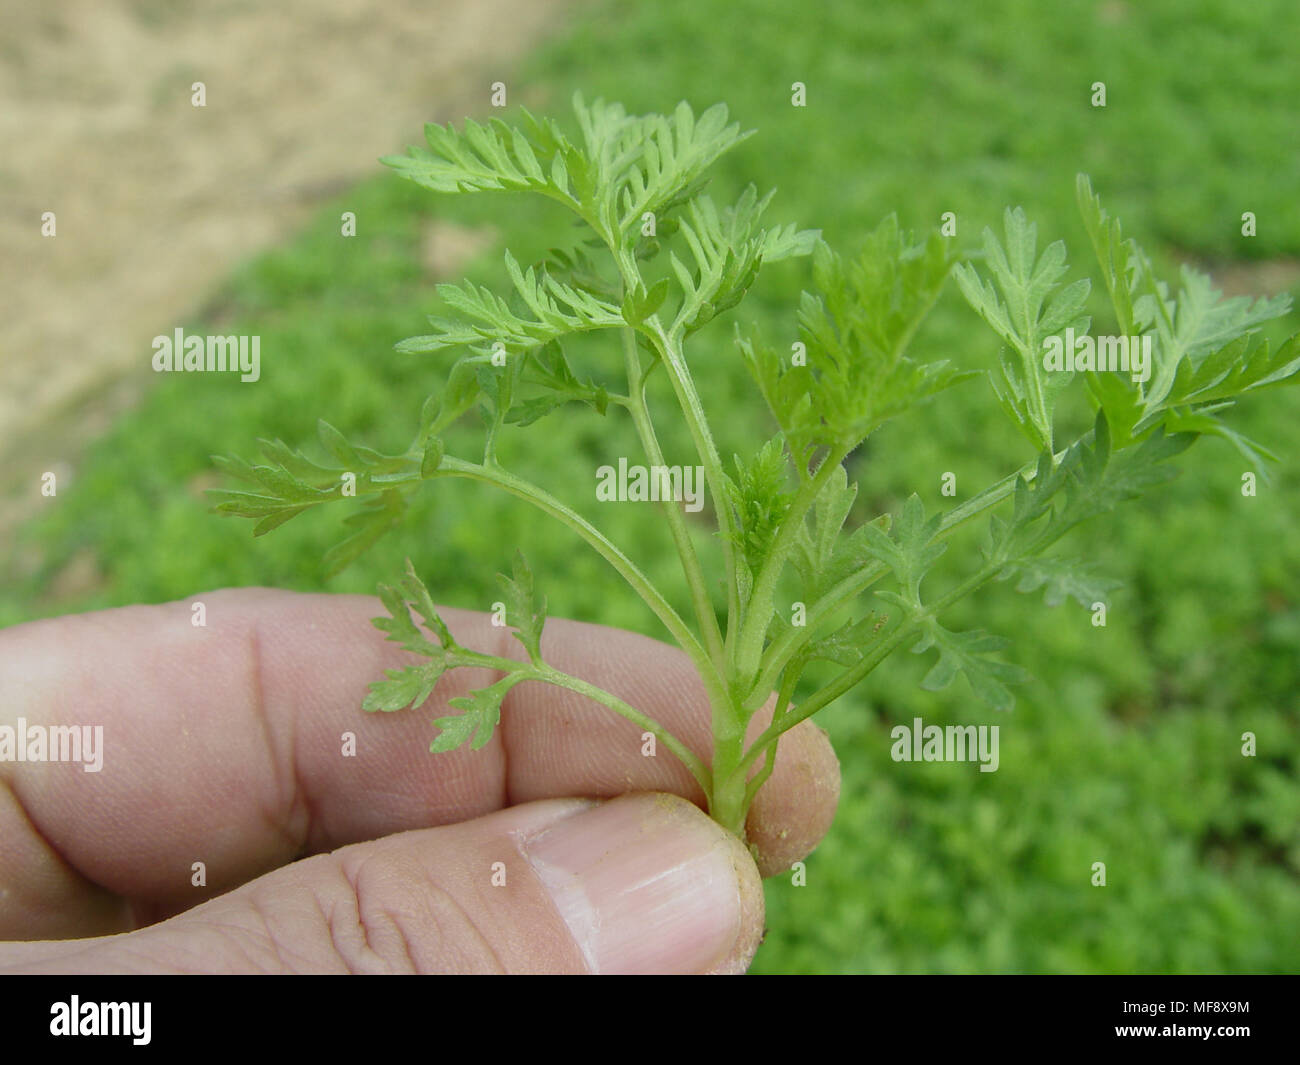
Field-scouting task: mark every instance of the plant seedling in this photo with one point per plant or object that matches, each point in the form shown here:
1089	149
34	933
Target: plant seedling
658	262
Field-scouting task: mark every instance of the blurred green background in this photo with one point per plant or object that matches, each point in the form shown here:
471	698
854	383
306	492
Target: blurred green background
1126	748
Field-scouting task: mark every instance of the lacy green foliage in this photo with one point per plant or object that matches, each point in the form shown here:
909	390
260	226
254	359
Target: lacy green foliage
290	483
557	385
909	549
726	251
760	501
411	685
1061	579
855	330
1019	311
824	556
657	260
552	309
523	604
626	164
970	653
1204	348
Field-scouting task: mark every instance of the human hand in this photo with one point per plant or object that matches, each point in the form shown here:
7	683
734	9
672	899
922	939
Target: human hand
225	744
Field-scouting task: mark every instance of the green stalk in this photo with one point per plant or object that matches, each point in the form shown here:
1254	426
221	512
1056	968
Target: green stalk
692	762
627	569
786	694
728	736
785	647
854	676
729	804
727	801
693	411
550	675
707	618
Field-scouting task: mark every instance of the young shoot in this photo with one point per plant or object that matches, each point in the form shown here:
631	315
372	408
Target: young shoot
1182	359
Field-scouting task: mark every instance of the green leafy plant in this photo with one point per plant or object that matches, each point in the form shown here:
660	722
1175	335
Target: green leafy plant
658	261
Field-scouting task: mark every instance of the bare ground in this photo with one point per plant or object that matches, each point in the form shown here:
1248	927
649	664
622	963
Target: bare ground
156	199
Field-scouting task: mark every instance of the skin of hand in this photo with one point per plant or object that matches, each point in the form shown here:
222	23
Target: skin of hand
226	744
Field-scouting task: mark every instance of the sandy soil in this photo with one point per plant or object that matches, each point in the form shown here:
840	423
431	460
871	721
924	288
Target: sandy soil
155	199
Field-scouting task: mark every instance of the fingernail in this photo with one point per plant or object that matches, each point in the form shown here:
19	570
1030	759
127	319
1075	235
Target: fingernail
646	884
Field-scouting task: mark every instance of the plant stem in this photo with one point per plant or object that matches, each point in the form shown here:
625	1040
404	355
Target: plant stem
548	674
724	711
707	618
675	367
692	762
729	804
824	696
788	683
627	569
794	640
852	677
783	649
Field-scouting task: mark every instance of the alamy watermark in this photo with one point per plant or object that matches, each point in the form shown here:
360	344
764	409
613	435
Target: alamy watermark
77	1018
1131	355
640	484
951	743
208	354
53	743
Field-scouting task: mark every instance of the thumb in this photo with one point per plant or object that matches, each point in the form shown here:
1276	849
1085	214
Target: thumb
643	883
